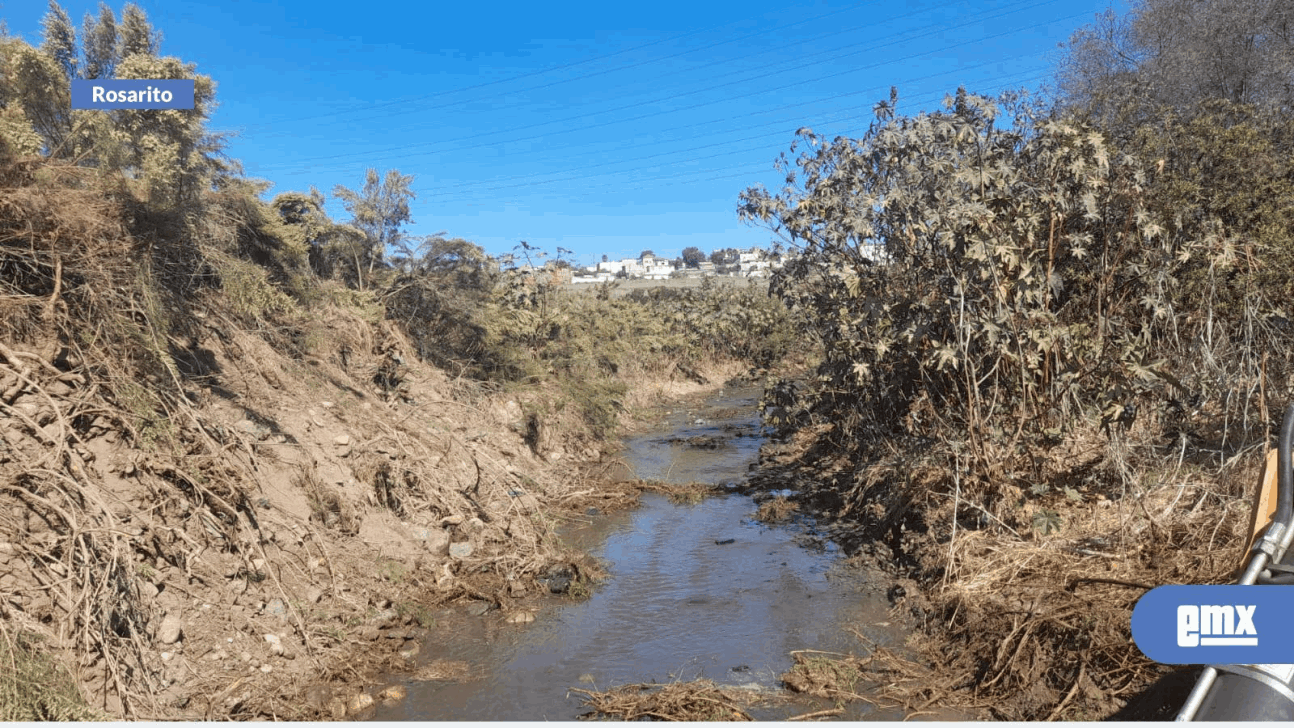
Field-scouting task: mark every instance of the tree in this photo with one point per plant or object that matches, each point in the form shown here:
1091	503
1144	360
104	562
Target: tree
58	39
726	256
136	34
645	254
459	263
1122	71
693	257
380	210
604	257
99	44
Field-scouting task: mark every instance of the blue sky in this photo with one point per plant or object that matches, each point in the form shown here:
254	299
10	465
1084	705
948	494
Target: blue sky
598	127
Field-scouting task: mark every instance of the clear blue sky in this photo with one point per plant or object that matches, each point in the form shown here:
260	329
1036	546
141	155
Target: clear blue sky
599	127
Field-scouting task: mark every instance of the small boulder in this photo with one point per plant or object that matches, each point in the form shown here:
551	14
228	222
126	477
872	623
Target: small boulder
171	629
559	583
460	550
277	608
342	440
520	618
435	540
393	694
359	703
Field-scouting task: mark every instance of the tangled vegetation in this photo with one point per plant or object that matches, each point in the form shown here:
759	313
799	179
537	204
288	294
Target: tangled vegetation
143	279
1056	341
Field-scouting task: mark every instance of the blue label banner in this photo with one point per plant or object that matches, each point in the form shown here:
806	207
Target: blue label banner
109	93
1216	625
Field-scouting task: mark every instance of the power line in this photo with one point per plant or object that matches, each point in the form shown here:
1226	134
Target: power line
429	194
833	97
387	117
427	97
577	117
768	167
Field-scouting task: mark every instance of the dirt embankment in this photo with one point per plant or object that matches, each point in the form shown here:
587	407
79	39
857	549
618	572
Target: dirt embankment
1022	614
284	539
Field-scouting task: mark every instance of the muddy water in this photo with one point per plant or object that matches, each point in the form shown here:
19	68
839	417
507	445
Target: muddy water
678	604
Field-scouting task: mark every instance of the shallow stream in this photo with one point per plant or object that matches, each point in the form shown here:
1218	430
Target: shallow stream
682	600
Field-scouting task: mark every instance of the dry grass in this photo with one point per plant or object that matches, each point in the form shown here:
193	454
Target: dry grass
698	700
776	510
162	447
1026	593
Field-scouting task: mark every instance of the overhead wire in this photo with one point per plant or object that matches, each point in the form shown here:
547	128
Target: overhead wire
404	150
744	170
550	69
582	170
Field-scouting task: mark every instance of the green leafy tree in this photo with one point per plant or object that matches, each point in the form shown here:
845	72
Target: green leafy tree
380	209
693	257
167	153
36	89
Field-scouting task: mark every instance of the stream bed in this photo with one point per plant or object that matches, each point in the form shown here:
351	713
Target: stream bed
694	591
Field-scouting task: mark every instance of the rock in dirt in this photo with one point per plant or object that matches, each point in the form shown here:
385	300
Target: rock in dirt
171	629
387	618
342	440
410	649
520	618
435	540
393	694
477	609
276	645
277	608
896	593
319	697
314	595
559	583
460	550
337	708
359	703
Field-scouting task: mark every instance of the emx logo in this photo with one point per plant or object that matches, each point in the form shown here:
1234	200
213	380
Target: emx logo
1216	625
